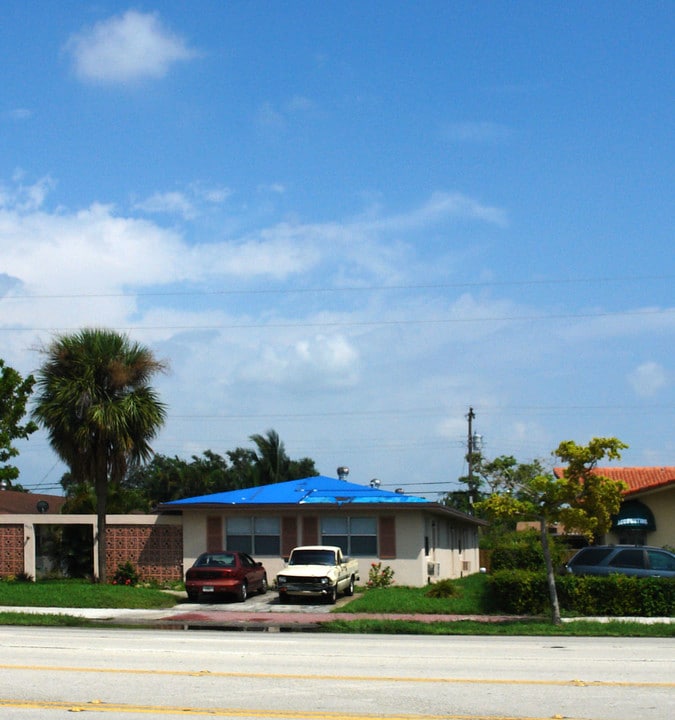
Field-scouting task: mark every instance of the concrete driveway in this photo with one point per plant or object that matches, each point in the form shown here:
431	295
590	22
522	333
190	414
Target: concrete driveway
269	602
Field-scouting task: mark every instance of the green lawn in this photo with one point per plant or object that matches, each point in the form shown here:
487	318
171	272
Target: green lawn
82	594
473	598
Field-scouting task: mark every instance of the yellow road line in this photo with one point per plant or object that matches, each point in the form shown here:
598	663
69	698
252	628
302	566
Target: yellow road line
342	678
98	706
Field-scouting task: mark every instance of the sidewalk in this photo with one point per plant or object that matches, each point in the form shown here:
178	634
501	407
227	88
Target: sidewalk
279	618
192	616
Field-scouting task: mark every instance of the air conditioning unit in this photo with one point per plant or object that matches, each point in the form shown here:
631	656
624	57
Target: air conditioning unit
433	569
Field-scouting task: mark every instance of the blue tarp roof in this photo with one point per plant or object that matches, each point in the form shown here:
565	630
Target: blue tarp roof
318	489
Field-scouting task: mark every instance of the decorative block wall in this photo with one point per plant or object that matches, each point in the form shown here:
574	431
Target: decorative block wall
156	551
11	550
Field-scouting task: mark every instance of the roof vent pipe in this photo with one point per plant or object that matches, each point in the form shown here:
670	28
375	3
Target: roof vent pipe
342	472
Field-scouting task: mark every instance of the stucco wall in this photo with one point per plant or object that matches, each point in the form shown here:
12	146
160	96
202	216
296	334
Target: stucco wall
662	505
410	564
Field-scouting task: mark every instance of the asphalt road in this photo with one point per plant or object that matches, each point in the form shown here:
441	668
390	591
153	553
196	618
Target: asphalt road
53	672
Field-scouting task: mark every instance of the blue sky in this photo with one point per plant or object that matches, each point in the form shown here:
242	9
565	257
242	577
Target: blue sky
351	222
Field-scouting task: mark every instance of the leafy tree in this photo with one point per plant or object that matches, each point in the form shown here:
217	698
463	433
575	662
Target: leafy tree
271	461
99	410
164	479
581	499
14	392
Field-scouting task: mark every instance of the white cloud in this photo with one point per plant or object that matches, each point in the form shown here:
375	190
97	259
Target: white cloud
169	202
17	114
476	132
648	379
126	48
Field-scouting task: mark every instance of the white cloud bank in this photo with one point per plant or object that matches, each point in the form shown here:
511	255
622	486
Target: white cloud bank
126	48
648	379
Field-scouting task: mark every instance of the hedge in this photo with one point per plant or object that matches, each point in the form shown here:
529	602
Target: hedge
523	592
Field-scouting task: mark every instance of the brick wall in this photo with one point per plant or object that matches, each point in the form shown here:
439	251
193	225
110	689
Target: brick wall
156	551
11	550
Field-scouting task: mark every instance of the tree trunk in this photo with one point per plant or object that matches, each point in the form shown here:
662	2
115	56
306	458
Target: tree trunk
550	573
101	486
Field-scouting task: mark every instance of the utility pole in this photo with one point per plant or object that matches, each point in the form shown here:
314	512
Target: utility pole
469	456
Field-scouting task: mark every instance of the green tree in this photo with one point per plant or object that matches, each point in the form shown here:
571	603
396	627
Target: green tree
581	499
14	393
271	461
99	411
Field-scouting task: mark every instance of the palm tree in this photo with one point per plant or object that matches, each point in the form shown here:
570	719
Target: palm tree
94	400
271	460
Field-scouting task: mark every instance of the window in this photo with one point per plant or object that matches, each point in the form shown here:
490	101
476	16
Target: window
356	536
660	561
254	535
591	556
633	558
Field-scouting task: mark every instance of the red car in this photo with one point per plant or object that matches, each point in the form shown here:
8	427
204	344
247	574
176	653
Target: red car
225	573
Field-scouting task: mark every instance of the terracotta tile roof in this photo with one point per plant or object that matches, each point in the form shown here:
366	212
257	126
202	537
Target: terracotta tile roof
21	503
638	479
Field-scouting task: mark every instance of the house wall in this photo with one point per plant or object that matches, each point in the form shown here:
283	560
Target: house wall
453	549
452	545
662	505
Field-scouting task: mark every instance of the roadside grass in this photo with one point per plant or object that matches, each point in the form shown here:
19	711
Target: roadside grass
579	628
82	594
48	620
472	598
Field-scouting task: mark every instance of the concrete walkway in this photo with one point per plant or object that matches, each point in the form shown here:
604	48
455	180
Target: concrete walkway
237	616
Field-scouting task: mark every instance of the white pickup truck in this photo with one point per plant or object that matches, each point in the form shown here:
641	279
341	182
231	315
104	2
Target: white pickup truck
317	571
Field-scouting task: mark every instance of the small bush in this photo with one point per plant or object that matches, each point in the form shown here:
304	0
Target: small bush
523	551
443	589
380	577
520	592
126	574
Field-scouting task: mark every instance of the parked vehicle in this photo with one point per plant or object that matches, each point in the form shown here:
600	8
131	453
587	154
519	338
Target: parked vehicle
641	561
225	573
319	571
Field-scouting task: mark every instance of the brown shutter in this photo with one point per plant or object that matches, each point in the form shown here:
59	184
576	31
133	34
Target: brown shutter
387	537
214	534
310	530
289	535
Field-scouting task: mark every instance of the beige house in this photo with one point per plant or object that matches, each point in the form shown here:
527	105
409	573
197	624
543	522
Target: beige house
647	513
420	540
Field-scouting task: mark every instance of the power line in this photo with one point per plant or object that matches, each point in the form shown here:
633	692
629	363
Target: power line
348	288
365	323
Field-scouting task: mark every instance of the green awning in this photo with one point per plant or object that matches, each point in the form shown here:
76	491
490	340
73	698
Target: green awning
634	515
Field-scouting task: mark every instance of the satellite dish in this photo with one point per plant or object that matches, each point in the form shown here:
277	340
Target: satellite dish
42	506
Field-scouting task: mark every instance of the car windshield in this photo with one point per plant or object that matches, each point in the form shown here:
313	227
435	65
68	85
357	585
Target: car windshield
216	560
312	557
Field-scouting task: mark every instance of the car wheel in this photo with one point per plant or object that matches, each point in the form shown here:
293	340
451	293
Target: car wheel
350	588
331	598
243	592
193	596
263	585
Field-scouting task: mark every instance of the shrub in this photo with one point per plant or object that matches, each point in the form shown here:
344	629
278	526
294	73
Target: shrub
617	595
523	551
520	592
126	574
380	577
443	589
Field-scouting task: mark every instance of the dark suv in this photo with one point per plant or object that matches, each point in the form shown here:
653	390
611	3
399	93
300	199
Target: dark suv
642	561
